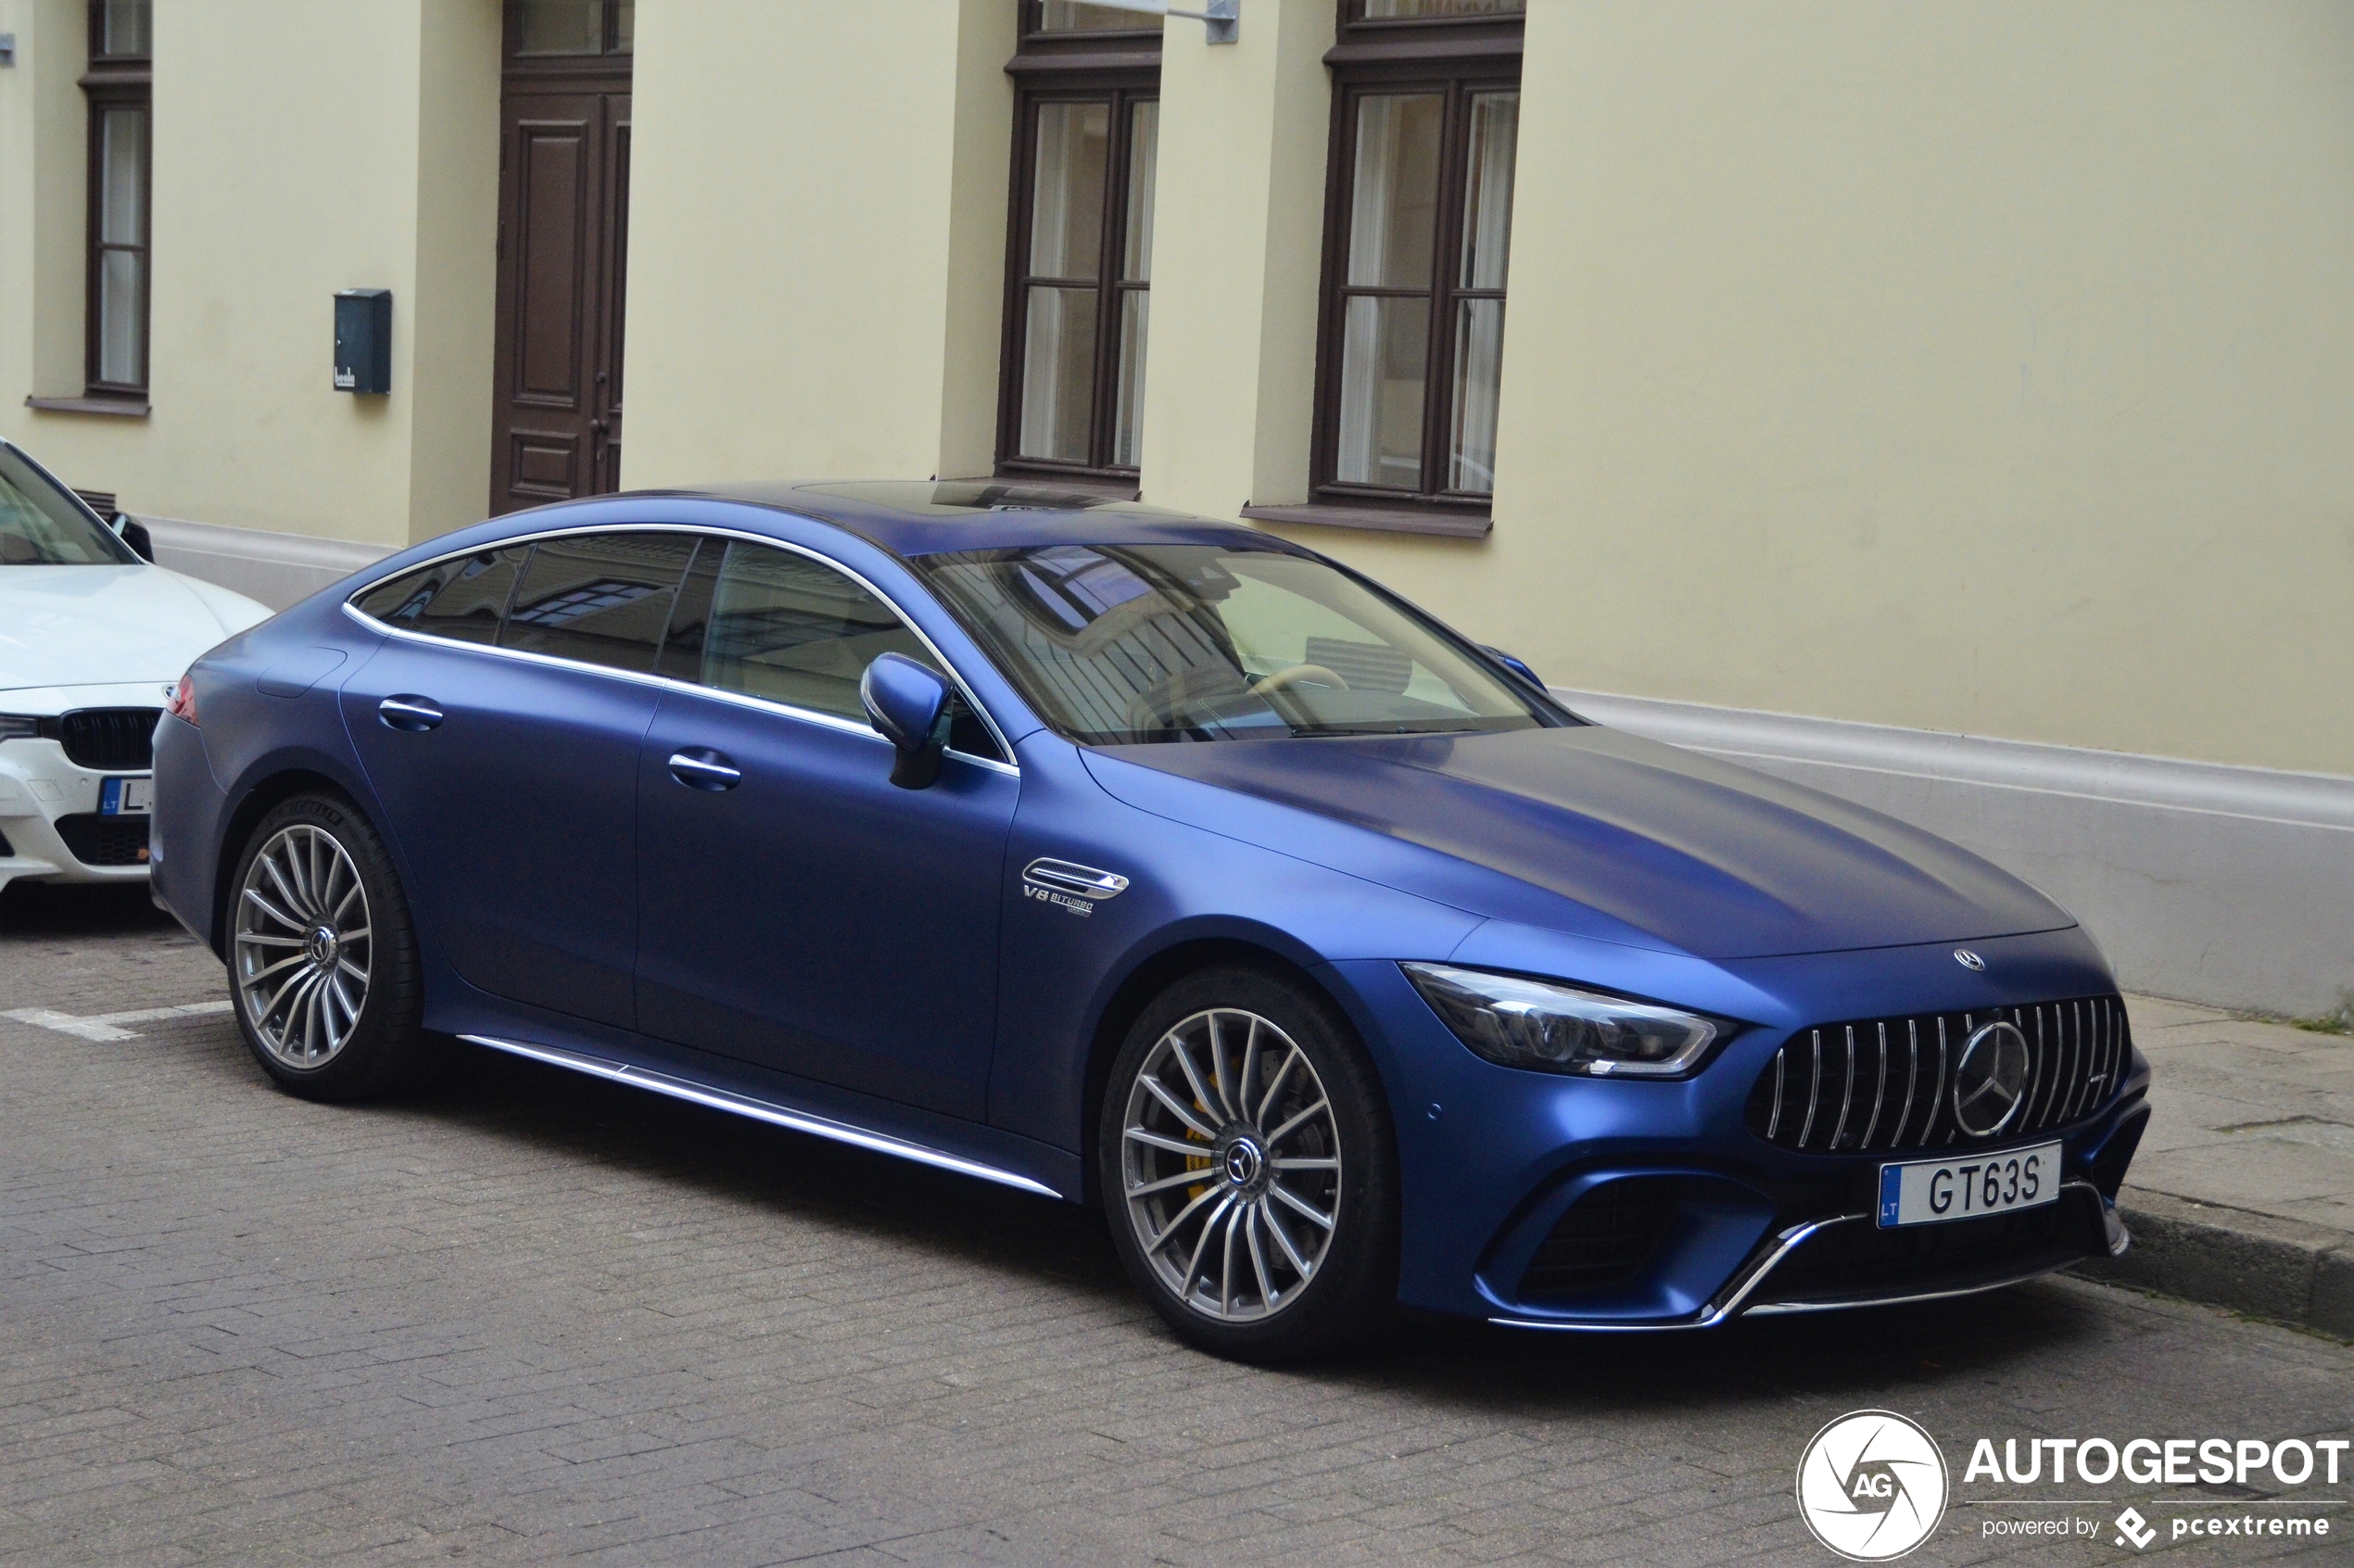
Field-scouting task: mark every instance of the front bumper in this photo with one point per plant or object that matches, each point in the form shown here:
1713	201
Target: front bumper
1814	1266
52	827
1579	1203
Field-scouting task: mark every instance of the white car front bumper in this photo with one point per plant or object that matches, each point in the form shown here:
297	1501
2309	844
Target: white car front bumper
52	808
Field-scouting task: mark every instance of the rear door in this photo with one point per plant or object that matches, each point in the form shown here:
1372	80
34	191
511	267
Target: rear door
501	731
798	910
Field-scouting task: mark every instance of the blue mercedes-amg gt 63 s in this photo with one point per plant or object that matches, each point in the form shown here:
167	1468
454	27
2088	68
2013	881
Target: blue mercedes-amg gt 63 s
1151	863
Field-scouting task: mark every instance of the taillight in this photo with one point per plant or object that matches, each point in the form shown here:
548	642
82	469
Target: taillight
184	700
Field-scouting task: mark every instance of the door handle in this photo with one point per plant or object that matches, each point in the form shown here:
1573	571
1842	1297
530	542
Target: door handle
699	767
409	712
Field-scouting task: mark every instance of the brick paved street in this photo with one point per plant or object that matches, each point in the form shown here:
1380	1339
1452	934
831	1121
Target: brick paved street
527	1317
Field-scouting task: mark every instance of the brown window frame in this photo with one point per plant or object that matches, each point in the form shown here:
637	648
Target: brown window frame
111	83
1456	58
1119	68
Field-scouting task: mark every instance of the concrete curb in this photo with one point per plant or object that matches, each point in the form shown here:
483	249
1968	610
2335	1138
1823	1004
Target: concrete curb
2253	1263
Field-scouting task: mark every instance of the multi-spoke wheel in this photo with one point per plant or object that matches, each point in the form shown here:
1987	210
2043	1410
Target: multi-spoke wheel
1246	1155
302	945
1231	1165
322	962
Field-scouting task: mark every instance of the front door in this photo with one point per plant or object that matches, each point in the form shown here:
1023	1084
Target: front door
564	205
798	910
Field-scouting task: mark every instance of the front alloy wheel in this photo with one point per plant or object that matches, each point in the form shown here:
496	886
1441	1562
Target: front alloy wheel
1244	1154
1231	1165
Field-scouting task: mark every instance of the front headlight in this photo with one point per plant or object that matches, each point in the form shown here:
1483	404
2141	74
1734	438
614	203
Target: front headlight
1549	1028
19	726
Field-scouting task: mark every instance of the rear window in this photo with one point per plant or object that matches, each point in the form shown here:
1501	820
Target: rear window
462	599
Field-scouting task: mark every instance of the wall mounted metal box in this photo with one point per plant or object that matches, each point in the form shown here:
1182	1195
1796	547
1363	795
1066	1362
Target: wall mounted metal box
364	340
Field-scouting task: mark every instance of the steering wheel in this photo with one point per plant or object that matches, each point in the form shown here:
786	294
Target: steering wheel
1283	679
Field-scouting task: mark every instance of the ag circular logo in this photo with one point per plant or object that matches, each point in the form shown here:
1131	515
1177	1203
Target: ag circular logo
1872	1486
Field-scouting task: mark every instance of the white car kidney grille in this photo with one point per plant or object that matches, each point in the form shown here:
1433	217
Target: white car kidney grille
111	740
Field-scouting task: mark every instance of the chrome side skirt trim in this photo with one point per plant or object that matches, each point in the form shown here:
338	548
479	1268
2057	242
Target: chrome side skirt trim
759	1110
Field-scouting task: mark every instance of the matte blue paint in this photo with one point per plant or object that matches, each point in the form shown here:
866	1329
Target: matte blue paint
810	935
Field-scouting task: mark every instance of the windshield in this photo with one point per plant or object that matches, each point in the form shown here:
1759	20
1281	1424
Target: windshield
40	527
1121	644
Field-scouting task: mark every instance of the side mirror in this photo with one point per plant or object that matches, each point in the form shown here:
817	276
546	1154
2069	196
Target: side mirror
134	533
907	703
1515	665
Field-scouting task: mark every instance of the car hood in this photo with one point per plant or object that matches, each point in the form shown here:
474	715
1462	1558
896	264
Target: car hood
89	626
1592	831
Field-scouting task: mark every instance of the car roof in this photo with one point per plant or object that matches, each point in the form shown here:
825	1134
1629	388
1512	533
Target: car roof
927	517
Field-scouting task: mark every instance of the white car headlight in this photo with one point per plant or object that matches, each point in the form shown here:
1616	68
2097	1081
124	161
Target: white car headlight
19	726
1551	1028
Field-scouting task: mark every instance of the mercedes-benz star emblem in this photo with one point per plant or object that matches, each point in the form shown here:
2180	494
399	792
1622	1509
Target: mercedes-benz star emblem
1969	960
1991	1079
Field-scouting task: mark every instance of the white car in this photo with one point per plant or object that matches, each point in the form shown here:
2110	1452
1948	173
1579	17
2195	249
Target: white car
93	639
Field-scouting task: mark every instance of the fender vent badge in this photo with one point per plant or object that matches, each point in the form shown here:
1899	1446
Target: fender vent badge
1077	888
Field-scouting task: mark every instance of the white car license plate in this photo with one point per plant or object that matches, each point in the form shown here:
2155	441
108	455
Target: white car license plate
1964	1187
126	797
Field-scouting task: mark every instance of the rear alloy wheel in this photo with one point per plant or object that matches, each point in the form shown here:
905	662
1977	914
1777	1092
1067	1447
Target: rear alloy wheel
322	958
1246	1155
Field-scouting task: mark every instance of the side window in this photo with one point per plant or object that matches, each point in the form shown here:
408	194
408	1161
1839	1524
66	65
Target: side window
602	599
774	623
461	600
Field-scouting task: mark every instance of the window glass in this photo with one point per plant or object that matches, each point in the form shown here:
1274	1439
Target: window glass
1077	16
1386	10
1117	644
1065	241
123	237
123	29
1135	274
795	631
1080	299
559	27
461	600
1416	334
576	26
602	599
1480	322
774	623
40	527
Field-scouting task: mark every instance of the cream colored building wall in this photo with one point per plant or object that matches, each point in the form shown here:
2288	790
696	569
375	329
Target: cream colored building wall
1237	250
299	149
1982	367
817	239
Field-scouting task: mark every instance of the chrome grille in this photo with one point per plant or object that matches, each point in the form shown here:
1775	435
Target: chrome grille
1887	1084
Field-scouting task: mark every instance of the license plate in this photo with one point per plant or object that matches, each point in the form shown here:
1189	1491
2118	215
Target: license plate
1931	1192
126	797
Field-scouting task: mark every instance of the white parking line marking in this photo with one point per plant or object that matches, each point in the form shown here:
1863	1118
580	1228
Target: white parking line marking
104	1026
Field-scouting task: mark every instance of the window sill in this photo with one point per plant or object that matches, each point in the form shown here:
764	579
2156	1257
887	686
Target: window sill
1384	520
1105	486
113	408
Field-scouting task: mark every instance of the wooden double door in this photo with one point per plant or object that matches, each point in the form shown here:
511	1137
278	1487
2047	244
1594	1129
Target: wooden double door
564	222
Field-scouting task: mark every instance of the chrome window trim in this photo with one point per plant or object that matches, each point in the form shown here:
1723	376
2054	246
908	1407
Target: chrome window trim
669	683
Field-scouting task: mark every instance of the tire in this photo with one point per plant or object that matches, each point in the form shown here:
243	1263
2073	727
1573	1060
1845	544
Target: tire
322	955
1239	1262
